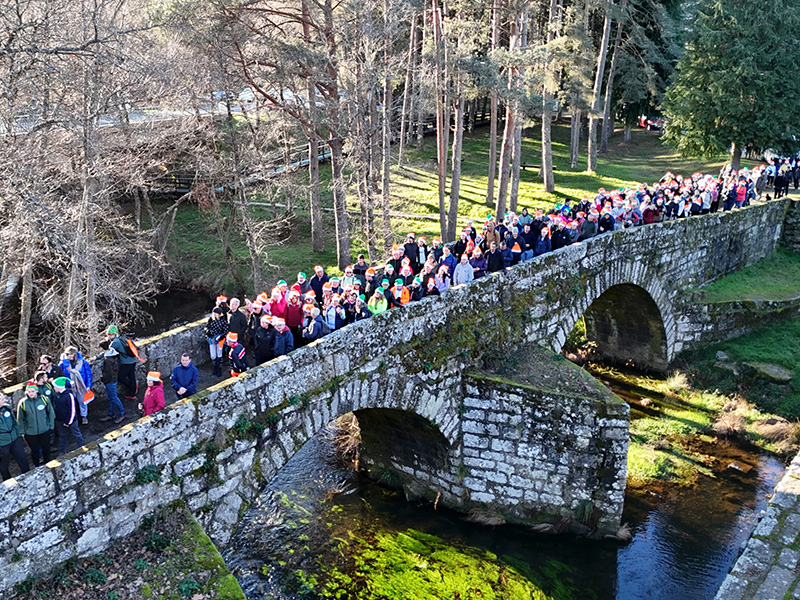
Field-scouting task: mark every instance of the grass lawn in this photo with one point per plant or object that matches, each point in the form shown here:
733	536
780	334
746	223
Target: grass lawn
197	254
777	277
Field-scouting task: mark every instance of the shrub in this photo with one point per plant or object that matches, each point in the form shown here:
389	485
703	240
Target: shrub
95	576
187	587
147	474
156	543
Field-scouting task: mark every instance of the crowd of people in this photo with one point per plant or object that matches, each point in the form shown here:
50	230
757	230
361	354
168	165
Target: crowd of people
292	315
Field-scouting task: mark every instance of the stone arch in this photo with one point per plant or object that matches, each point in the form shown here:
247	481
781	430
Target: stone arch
401	443
631	314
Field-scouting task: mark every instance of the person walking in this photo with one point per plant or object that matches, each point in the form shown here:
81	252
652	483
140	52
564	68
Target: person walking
215	331
128	359
109	376
79	373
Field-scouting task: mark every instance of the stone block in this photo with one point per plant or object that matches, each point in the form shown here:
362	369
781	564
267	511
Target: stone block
93	540
187	465
482	497
42	541
80	465
776	584
40	517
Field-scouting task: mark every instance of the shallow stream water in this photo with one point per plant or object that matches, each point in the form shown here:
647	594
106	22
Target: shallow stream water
684	539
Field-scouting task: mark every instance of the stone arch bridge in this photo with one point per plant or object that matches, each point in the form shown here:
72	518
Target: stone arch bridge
444	428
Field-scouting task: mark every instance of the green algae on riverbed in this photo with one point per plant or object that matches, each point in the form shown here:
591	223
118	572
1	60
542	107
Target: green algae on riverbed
412	564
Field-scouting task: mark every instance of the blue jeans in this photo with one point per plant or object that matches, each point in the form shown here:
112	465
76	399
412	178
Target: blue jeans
114	403
62	435
527	255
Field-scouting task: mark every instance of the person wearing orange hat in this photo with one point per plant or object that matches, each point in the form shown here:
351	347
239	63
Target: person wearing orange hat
370	284
411	250
154	394
264	340
237	354
335	315
294	317
422	252
222	303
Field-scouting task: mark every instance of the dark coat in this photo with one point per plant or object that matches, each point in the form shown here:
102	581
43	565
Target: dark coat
284	343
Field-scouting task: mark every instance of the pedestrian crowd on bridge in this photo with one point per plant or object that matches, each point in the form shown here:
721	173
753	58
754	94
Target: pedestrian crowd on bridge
292	315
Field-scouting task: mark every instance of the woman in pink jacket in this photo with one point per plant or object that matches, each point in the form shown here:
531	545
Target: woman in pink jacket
153	395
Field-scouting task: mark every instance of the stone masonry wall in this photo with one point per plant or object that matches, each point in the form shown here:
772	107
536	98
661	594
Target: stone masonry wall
791	229
542	455
713	322
407	359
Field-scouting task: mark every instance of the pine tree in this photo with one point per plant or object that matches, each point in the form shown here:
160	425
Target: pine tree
733	85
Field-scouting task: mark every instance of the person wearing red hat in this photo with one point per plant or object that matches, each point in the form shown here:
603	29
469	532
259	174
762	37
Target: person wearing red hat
461	244
478	264
264	340
294	317
370	285
154	394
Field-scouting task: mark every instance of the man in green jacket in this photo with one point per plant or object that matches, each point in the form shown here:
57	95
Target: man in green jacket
10	442
128	358
36	418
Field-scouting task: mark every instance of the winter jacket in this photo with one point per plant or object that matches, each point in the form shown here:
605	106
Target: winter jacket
216	329
542	245
185	377
238	355
83	366
463	274
64	406
153	398
35	416
284	343
481	265
495	261
126	356
588	230
8	426
264	341
237	322
335	317
378	305
110	372
314	330
606	223
317	283
451	263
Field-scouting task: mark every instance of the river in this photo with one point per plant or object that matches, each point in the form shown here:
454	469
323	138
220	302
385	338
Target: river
315	513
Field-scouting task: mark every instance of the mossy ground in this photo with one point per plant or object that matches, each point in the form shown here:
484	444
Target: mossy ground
168	558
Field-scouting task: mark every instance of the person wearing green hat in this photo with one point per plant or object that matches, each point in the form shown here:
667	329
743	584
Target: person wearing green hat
128	358
399	294
66	420
361	310
36	418
10	442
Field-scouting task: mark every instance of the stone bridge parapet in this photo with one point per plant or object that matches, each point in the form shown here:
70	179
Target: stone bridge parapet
218	448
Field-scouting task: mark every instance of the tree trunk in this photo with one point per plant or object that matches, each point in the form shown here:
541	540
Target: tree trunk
339	204
412	42
314	197
493	111
508	134
608	119
547	103
441	140
420	112
736	156
574	138
455	178
627	136
591	166
387	135
515	167
26	303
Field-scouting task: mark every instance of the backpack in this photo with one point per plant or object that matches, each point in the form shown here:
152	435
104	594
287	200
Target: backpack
326	329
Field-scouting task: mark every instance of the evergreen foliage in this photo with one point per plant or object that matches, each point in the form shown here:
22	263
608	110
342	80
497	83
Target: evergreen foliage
733	83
